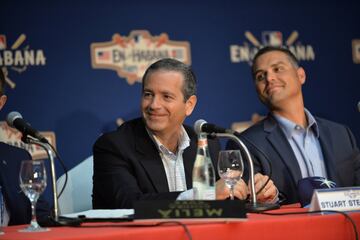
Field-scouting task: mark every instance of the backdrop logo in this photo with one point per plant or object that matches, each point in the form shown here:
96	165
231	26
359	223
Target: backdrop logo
18	57
246	51
130	56
356	50
12	137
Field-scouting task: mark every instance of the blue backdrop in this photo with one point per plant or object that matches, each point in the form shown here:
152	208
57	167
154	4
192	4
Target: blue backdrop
61	92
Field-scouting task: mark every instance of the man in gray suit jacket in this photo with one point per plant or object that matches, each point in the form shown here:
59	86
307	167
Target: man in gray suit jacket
290	141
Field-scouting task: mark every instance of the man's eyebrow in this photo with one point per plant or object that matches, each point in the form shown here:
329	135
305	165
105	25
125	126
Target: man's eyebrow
165	92
147	91
272	65
278	63
257	71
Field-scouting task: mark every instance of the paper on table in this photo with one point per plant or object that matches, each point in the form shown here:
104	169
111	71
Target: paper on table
102	213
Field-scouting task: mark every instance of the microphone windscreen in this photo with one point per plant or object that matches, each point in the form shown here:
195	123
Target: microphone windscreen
10	118
306	187
198	125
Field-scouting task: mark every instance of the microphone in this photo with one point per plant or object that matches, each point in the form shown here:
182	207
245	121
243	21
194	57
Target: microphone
306	187
15	120
202	126
358	106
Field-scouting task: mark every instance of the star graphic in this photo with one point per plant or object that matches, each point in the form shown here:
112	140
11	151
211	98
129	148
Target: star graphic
326	182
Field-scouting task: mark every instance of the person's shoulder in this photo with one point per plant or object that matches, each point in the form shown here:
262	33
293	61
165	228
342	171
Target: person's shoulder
125	130
255	130
9	150
5	146
329	123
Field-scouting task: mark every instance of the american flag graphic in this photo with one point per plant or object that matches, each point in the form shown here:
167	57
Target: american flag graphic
177	53
103	55
2	42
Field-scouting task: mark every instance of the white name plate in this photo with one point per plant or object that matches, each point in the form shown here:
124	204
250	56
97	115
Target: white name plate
339	199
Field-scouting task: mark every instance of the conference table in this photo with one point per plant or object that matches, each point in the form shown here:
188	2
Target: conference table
288	222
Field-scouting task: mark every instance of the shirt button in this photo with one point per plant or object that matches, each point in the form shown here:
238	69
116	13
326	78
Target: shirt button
297	127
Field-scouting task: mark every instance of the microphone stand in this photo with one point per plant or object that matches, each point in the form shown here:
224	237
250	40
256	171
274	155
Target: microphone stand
253	206
56	221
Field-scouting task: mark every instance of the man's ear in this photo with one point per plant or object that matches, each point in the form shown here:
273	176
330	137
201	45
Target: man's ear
301	74
190	105
3	99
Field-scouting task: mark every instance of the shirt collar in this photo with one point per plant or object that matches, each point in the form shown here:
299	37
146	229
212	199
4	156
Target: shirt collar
183	142
312	123
289	127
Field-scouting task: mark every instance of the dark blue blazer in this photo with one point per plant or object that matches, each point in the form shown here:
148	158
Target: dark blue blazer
17	203
268	144
128	167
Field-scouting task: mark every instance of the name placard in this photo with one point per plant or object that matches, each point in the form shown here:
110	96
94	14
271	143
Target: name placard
165	209
339	199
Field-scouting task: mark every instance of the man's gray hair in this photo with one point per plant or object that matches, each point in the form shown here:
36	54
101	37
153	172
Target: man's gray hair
170	64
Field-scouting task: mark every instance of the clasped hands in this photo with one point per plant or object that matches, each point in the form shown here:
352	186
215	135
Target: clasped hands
242	190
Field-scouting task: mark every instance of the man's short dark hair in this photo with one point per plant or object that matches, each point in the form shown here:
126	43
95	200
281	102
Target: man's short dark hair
170	64
2	82
267	49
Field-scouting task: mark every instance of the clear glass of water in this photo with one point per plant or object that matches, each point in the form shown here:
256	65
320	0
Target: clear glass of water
33	182
230	168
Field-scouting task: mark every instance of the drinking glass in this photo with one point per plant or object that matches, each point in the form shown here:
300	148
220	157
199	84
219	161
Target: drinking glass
230	168
33	182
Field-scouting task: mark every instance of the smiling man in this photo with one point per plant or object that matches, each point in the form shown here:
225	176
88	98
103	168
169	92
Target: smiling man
290	138
152	157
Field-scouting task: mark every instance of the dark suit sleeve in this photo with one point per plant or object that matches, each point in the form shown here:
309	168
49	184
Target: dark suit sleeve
118	179
355	158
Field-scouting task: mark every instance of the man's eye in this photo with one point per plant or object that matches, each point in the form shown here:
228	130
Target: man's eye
260	77
147	94
278	69
168	97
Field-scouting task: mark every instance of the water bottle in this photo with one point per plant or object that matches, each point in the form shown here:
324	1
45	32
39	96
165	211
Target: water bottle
203	175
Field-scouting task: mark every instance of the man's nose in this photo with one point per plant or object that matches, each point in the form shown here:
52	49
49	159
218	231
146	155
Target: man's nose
269	76
155	102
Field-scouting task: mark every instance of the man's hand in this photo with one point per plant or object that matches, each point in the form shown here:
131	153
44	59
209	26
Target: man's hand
269	193
223	192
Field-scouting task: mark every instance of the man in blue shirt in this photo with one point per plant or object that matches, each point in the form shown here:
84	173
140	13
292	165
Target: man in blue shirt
290	141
